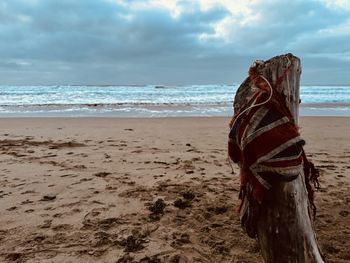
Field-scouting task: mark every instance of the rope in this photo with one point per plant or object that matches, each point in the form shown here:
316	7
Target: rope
230	163
255	105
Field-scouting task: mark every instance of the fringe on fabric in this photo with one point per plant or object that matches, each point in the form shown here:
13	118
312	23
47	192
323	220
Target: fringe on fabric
311	174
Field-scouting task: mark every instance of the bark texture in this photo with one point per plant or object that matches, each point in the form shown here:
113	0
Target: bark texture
285	230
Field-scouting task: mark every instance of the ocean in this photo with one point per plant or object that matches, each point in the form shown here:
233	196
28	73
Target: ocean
152	101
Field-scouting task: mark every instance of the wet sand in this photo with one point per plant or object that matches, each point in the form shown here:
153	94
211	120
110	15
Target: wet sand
147	190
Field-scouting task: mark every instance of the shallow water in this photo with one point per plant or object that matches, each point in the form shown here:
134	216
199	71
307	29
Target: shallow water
152	100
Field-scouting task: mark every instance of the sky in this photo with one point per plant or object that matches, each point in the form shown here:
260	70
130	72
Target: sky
169	42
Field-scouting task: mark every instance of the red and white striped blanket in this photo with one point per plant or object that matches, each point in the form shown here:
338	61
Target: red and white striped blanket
265	142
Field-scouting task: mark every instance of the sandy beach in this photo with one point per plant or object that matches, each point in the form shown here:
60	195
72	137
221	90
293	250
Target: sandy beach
147	190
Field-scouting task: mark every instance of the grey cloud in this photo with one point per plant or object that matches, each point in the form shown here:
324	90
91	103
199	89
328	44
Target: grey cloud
66	30
98	41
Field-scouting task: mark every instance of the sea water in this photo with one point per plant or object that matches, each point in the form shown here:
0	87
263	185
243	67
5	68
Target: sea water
152	100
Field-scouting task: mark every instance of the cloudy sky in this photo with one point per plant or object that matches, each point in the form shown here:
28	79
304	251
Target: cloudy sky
169	41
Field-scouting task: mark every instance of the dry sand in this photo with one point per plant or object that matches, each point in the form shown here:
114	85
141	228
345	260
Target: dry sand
85	189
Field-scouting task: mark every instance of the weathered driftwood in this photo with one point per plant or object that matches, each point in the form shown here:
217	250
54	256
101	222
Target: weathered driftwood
285	231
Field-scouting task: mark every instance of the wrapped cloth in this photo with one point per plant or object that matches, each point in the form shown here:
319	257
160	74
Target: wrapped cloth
265	142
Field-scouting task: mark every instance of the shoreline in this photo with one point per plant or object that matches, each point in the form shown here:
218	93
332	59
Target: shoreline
156	110
310	114
147	118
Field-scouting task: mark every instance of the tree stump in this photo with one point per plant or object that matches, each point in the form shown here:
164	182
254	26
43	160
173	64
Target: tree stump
284	229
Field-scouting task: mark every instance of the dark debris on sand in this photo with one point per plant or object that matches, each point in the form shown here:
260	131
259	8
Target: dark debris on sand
157	210
129	259
13	256
182	204
125	259
185	201
188	195
148	259
220	209
132	243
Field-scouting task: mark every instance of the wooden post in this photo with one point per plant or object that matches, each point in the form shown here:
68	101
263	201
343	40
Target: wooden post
285	230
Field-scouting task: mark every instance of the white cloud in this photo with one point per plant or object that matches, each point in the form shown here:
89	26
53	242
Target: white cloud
345	4
173	6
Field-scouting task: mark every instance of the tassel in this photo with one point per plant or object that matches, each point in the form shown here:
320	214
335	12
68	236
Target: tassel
311	181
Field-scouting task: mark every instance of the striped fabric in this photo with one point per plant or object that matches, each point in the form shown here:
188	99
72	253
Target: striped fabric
267	146
265	142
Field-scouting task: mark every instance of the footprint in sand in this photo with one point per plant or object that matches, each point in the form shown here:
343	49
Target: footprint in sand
102	174
27	202
47	223
62	227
